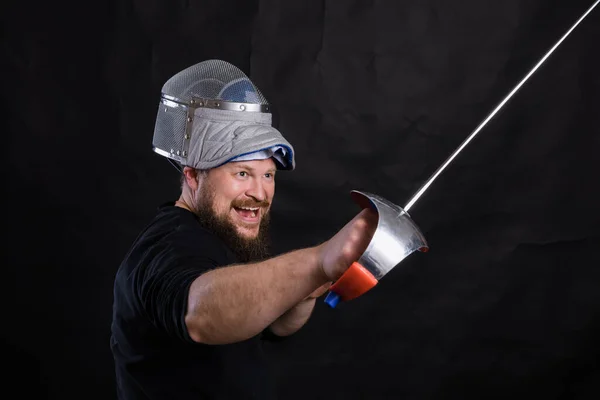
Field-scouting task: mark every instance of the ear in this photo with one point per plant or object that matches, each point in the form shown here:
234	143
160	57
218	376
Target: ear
191	178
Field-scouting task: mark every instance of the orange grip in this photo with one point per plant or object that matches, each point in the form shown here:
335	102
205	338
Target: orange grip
356	281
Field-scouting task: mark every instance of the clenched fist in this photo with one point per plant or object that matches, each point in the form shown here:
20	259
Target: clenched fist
346	247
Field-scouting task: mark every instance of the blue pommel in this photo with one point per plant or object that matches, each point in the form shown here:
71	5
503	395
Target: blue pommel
332	299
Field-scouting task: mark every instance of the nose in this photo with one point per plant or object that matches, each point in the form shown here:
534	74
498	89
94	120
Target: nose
256	190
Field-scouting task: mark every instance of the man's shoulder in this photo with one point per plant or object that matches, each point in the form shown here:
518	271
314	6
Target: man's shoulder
180	227
175	233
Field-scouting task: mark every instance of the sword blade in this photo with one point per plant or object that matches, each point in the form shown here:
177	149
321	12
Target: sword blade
487	119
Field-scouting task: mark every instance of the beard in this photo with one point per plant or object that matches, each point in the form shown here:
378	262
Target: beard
245	249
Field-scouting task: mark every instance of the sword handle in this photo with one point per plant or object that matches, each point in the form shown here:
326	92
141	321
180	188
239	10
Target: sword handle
356	281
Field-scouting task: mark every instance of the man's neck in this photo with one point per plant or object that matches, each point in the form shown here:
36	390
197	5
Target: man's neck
181	203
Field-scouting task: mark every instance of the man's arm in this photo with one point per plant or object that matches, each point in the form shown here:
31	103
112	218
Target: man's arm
295	318
237	302
234	303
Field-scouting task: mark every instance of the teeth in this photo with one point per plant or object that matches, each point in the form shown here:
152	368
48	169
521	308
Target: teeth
254	210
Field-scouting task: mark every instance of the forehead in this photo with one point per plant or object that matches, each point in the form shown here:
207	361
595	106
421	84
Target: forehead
254	165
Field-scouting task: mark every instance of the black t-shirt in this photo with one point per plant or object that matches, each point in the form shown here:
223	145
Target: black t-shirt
154	356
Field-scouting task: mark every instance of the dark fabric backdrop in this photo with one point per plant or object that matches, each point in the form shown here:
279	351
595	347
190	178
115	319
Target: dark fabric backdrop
374	95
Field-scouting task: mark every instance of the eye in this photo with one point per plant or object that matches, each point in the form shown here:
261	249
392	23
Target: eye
243	174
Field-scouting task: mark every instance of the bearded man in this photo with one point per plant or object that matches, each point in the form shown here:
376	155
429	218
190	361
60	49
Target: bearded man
198	291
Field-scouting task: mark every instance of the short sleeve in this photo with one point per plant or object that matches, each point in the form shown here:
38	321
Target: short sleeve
164	281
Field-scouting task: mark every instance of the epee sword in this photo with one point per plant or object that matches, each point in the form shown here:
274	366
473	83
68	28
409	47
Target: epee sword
397	236
487	119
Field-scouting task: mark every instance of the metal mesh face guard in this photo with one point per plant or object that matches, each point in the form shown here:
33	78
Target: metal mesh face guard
210	114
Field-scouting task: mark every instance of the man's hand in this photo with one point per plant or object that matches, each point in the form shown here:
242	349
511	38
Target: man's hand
339	252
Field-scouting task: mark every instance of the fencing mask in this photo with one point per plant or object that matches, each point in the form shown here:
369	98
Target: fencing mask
210	114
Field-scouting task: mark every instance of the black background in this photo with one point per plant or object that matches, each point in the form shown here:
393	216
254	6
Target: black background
374	95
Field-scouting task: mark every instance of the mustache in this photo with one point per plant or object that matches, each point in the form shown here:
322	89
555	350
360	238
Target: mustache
251	203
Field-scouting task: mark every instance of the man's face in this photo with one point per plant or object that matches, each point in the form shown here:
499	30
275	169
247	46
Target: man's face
242	193
235	200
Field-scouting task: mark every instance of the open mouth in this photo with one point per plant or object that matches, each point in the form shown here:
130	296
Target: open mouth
249	214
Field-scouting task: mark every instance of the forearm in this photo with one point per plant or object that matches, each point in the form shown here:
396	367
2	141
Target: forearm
294	318
234	303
